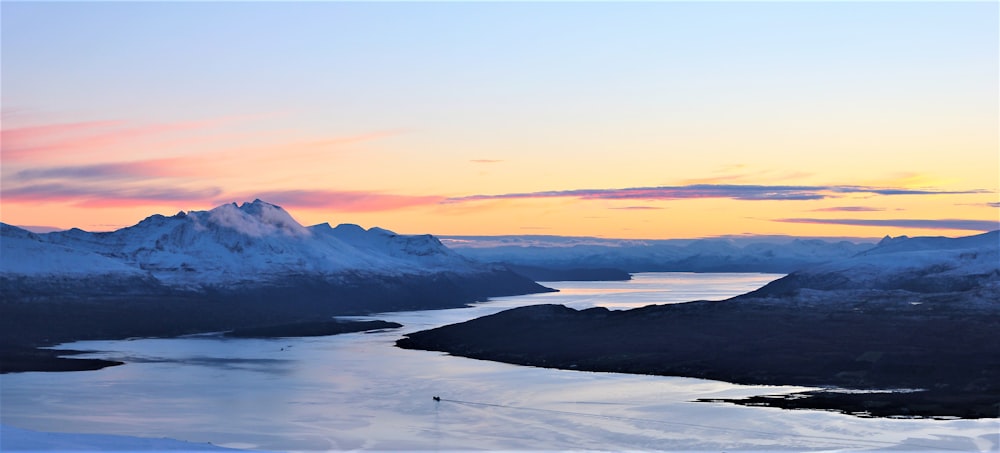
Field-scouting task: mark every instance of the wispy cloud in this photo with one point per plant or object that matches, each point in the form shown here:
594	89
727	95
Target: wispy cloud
900	191
347	201
728	177
989	204
215	163
172	178
849	209
637	208
22	137
153	168
695	191
37	142
933	224
106	195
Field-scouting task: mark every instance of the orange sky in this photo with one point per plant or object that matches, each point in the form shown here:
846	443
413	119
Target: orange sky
662	120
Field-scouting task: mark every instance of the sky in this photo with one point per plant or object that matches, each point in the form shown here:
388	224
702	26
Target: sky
619	120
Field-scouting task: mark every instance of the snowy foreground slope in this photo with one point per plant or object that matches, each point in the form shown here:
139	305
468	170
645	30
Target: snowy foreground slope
232	266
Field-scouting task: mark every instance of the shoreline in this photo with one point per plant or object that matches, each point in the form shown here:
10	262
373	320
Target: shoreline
889	344
923	404
22	358
25	359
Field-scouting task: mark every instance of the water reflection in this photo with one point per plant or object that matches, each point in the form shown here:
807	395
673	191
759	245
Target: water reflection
357	391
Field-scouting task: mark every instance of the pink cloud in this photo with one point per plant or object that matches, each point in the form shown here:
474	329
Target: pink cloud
348	201
30	133
43	141
106	195
748	192
212	163
101	194
33	141
165	179
736	178
934	224
849	209
153	168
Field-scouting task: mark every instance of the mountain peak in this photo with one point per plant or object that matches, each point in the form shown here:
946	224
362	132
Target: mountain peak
891	240
256	219
256	204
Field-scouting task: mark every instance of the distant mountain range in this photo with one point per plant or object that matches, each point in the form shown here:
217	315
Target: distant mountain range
778	254
960	267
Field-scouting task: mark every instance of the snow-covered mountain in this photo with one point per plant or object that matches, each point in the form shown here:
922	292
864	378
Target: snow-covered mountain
923	265
26	253
229	244
753	254
254	254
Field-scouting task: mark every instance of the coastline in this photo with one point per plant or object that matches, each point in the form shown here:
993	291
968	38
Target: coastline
882	342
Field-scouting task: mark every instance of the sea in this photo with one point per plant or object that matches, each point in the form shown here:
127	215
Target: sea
359	392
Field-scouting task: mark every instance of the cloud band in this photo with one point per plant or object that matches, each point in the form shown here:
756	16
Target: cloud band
695	191
932	224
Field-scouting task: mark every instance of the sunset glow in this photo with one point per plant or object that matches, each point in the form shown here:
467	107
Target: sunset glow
636	120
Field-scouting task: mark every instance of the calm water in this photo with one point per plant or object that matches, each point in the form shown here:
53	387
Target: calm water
357	391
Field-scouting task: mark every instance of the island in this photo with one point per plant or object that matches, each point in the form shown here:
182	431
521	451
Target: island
311	329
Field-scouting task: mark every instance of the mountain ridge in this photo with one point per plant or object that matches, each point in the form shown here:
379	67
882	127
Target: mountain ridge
223	245
745	254
919	265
